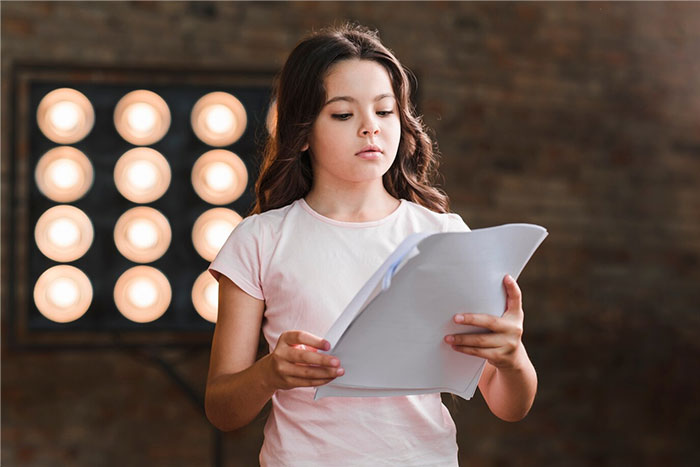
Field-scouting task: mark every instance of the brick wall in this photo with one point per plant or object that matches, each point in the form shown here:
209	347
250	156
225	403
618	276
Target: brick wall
582	117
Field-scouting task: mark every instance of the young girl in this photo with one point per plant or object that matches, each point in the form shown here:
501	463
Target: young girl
345	178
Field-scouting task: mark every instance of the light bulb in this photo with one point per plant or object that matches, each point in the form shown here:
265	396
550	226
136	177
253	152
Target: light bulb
65	115
63	232
141	117
219	176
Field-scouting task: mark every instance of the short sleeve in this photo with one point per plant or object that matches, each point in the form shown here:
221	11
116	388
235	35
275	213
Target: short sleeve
455	223
240	258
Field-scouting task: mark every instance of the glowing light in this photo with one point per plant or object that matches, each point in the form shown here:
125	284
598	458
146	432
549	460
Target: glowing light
217	232
64	174
142	117
271	120
142	294
142	175
211	230
211	294
205	296
218	119
65	116
63	233
219	176
63	293
142	234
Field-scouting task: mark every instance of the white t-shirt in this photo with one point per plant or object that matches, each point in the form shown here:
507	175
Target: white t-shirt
307	268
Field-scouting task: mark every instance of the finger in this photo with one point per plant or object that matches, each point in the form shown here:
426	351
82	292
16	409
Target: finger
490	322
298	355
300	382
514	301
314	372
486	341
488	354
305	338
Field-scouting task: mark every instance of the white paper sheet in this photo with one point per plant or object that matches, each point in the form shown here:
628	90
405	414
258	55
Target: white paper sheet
390	338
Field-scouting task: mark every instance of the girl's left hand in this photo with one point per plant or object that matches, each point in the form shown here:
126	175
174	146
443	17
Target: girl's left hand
502	346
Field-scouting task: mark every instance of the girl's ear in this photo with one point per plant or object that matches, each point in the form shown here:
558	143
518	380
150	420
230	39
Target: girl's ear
305	147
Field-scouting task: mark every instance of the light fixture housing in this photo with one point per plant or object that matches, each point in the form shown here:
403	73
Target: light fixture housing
142	175
63	293
219	119
64	174
142	234
219	176
142	117
205	296
63	233
65	116
142	294
211	230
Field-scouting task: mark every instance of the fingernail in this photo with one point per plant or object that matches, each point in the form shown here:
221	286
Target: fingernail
459	318
449	339
339	371
326	345
334	362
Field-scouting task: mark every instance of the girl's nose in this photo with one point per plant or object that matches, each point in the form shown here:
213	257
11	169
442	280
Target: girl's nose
369	126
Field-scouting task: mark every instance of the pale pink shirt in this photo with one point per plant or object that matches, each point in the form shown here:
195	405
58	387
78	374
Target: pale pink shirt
307	267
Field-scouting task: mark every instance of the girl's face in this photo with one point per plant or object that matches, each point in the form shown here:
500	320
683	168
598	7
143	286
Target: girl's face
360	112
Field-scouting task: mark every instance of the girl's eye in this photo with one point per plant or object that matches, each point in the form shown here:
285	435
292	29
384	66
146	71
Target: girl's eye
341	116
384	113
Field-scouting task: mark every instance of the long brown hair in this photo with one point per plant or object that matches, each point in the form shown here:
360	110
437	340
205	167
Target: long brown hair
299	94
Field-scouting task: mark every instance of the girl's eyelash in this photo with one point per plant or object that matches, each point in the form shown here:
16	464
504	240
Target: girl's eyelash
347	115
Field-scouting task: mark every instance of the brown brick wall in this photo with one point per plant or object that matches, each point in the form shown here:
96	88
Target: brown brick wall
582	117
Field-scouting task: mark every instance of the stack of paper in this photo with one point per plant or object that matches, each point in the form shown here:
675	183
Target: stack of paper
390	338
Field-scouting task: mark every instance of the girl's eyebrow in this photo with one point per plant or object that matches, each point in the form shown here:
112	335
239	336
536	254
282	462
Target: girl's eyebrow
350	99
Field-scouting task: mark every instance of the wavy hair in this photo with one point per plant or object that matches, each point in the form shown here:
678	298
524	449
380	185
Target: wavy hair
299	95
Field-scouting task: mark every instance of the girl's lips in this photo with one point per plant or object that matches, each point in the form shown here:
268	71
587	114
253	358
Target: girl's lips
369	155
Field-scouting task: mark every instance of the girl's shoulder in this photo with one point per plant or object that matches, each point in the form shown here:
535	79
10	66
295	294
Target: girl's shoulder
268	222
444	221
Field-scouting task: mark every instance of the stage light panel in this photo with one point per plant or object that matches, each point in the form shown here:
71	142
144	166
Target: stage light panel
205	296
211	230
142	117
65	116
63	233
63	293
218	119
142	294
219	177
64	174
142	175
97	184
142	234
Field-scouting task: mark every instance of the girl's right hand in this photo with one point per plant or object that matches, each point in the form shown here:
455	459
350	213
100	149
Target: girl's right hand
295	362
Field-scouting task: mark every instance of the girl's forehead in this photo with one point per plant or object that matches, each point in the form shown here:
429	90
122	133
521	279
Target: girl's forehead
358	77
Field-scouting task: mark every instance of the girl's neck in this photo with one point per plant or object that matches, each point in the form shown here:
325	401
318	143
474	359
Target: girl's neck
352	206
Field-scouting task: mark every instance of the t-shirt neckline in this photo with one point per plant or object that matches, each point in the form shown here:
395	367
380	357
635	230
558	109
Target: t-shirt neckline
302	202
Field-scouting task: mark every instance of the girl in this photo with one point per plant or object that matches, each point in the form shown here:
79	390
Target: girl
346	176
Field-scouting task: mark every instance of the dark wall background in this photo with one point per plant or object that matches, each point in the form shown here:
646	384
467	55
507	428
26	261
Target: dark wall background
582	117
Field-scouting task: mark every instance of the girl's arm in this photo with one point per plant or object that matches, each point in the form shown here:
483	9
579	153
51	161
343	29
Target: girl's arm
509	381
238	387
